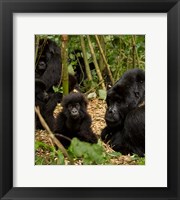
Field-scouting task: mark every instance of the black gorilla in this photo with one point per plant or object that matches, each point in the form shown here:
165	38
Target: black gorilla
125	115
49	66
74	121
48	73
46	102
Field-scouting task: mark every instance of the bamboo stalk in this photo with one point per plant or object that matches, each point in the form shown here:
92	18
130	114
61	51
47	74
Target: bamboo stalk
42	48
101	61
36	47
88	71
133	50
105	61
137	56
95	63
64	56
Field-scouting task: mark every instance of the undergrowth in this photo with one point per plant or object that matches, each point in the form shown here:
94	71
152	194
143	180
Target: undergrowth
83	153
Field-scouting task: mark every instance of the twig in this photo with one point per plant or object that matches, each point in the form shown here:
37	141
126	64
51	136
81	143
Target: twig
63	136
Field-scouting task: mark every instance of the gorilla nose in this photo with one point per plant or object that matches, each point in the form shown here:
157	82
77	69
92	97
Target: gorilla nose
74	112
111	110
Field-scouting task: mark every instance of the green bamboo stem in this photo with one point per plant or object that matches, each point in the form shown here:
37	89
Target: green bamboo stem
105	61
64	56
96	63
88	71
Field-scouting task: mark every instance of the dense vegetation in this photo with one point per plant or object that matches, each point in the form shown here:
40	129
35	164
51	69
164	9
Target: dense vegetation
97	62
122	52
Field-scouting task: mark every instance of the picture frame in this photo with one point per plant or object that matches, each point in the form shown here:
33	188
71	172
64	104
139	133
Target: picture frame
7	8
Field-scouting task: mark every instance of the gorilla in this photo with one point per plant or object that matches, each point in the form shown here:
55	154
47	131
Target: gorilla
125	114
74	121
46	102
48	63
49	66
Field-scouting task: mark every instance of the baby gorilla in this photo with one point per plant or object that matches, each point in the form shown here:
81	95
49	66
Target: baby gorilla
74	121
125	115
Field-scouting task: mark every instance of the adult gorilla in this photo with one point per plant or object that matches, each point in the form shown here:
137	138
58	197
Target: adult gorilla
49	66
125	115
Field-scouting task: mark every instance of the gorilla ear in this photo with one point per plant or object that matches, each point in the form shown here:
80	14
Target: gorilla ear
85	102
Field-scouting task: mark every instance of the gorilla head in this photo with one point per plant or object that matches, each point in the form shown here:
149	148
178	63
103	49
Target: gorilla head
127	94
74	105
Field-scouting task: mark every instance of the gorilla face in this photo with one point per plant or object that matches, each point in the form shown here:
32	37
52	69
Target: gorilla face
74	106
74	110
125	96
116	110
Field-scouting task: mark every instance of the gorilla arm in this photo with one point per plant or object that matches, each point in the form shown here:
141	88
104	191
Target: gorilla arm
85	132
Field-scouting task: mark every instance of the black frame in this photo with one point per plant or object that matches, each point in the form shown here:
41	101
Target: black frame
7	8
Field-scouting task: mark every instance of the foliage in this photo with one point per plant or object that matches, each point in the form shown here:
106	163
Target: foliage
82	153
57	89
122	52
139	160
52	156
89	153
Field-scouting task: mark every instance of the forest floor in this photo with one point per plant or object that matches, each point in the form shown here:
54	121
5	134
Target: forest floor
96	108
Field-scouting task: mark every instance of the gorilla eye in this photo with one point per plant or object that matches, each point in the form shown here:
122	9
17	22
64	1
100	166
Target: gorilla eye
118	101
70	106
77	105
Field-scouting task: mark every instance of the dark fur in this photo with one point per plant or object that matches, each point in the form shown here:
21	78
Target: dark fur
48	73
125	115
49	66
46	102
70	127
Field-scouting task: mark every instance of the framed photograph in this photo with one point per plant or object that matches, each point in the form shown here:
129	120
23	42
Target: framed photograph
137	34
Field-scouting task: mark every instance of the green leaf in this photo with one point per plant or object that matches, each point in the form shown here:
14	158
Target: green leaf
39	160
89	153
60	160
58	89
115	154
102	94
70	69
42	145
